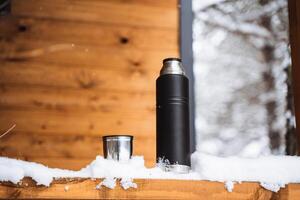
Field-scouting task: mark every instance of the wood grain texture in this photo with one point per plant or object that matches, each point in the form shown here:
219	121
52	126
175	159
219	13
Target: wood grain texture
69	55
69	123
74	70
93	34
68	99
102	78
60	162
132	13
147	189
49	149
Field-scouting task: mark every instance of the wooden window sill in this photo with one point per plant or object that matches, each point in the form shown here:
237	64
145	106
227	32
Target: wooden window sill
79	188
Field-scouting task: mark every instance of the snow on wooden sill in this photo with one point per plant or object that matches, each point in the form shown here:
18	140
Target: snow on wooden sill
83	188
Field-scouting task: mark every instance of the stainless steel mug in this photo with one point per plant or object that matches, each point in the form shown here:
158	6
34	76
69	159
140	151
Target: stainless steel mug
117	147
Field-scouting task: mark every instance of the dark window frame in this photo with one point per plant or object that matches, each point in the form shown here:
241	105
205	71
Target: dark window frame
294	20
186	53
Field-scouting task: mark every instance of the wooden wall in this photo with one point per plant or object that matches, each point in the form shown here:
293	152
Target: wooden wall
72	71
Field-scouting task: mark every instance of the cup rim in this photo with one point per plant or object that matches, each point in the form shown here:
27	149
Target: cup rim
117	137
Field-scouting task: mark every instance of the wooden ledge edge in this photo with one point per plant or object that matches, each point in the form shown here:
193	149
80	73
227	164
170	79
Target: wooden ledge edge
84	188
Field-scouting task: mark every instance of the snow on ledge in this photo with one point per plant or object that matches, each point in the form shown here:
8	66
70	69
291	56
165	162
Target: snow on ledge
273	172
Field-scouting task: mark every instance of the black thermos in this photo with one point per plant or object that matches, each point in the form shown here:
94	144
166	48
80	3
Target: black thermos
172	116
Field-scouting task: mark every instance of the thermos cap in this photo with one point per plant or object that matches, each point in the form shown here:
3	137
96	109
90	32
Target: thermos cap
172	66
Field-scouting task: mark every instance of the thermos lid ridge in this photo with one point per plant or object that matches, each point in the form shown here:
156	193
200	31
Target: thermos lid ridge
172	66
171	59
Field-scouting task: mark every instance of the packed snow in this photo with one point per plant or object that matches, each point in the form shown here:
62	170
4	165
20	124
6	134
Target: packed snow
273	172
229	185
127	183
109	182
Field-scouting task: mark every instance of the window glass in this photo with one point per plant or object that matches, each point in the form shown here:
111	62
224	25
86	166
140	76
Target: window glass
241	70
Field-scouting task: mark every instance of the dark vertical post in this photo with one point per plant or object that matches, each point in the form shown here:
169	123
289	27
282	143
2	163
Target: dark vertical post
294	19
186	52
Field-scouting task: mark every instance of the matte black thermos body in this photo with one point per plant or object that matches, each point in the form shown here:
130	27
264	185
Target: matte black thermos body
172	115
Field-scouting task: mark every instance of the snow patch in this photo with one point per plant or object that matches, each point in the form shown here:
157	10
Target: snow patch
273	172
108	182
274	187
127	183
278	170
229	185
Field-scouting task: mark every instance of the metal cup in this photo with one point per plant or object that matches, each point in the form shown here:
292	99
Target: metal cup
117	147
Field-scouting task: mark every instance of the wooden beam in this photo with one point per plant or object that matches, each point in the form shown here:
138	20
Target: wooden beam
74	123
90	56
67	151
134	12
40	98
147	189
19	29
100	78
